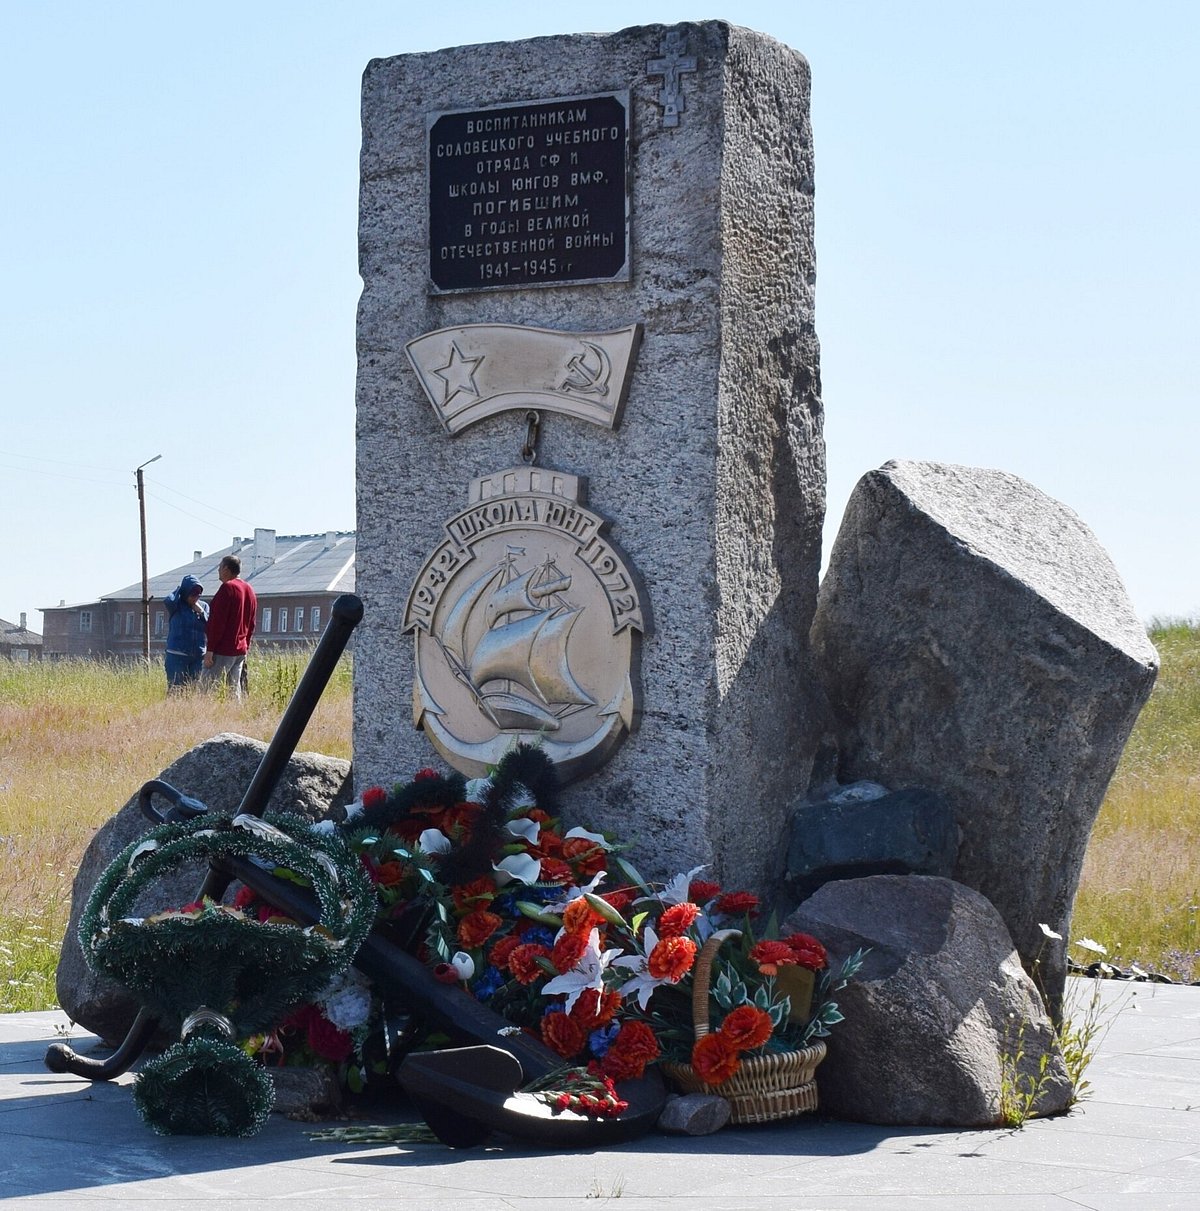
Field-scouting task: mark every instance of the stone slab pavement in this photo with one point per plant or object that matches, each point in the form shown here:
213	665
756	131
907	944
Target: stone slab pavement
1134	1142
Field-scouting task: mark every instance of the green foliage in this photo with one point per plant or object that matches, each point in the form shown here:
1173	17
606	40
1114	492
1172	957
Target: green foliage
1022	1087
28	959
204	1086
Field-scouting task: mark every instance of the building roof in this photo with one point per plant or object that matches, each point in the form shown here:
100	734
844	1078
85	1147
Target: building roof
276	565
13	633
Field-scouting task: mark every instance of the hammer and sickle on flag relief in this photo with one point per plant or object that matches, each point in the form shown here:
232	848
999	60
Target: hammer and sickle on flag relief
477	370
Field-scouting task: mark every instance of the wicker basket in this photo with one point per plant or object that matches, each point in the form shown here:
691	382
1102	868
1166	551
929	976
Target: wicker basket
765	1088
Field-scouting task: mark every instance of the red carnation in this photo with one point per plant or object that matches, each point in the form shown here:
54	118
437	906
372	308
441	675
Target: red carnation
621	899
555	870
677	920
579	917
327	1040
373	796
671	959
771	955
593	1008
714	1059
501	952
388	874
746	1028
482	888
588	857
634	1047
568	950
476	927
736	903
523	961
808	951
425	775
703	890
562	1034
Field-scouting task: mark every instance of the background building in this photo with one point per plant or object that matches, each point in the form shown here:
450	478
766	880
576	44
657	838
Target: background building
19	643
296	578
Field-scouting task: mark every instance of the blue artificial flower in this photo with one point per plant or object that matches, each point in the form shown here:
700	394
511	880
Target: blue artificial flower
540	934
488	984
600	1039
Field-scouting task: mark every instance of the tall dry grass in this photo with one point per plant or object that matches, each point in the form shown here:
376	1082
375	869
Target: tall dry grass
78	738
1139	893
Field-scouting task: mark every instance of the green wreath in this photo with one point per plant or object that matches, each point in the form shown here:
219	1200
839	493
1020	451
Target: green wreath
216	972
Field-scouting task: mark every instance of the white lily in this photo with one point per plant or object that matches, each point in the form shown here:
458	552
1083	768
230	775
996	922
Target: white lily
587	973
676	892
524	868
641	983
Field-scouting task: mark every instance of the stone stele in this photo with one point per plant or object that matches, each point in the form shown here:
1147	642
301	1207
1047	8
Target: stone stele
976	640
712	482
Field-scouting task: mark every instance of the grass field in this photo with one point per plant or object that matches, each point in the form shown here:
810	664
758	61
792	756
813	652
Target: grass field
77	739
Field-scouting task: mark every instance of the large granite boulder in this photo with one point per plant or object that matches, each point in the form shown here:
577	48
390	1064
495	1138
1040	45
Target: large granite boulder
973	638
217	772
940	999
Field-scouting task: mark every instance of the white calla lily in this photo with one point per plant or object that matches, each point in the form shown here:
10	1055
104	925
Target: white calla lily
528	830
595	838
477	790
433	841
524	868
463	964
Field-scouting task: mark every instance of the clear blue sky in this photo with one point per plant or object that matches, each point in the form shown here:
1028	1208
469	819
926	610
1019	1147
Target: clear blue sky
1007	239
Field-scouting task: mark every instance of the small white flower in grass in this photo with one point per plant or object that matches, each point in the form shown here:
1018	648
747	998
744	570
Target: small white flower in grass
587	973
522	867
1057	937
433	841
528	830
1092	945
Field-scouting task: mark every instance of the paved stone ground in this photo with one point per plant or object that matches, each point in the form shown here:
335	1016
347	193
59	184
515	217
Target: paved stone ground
1134	1143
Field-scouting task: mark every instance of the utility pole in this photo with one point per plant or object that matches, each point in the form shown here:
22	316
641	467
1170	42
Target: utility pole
145	575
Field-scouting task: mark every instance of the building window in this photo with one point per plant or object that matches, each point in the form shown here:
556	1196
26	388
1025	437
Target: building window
85	622
158	621
116	622
314	619
129	617
266	620
283	616
21	655
299	618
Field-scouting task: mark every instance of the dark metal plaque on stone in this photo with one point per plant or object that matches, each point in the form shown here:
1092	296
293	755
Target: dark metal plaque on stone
534	194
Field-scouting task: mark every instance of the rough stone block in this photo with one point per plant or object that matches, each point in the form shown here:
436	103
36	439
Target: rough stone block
217	772
974	638
714	481
940	998
694	1114
908	832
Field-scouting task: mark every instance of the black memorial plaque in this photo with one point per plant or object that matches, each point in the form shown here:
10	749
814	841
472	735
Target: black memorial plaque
525	195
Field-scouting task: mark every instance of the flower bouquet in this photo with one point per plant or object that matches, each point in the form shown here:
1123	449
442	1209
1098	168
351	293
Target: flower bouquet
559	934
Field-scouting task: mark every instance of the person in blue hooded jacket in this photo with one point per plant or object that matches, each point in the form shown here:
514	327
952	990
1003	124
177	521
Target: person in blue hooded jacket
185	633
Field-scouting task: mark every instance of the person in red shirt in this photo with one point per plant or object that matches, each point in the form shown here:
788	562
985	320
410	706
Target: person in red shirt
230	627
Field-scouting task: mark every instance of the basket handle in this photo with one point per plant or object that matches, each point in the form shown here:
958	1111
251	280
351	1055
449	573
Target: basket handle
700	978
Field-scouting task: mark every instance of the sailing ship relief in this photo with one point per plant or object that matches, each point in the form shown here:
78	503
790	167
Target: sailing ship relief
524	621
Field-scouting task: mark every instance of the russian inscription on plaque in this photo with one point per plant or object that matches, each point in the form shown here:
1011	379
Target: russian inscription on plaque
530	194
524	620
